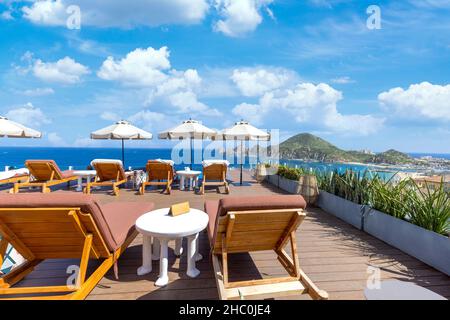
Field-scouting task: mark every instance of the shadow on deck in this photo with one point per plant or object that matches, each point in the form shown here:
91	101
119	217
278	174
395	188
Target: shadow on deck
335	255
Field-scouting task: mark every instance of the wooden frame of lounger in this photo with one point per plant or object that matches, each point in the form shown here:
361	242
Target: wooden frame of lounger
14	179
42	166
54	233
217	172
102	168
157	170
257	230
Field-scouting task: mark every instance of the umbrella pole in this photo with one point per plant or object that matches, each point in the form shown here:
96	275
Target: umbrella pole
123	154
192	152
242	164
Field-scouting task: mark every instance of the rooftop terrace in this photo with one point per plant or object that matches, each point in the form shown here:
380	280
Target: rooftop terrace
332	253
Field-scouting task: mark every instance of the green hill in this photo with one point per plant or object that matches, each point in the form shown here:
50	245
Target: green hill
309	147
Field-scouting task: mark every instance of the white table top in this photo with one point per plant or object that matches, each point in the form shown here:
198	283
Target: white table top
400	290
188	173
159	223
84	172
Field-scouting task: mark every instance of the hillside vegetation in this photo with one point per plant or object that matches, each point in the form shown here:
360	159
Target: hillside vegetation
310	147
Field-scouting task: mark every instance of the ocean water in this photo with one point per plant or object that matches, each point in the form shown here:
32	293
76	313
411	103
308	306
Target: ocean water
80	158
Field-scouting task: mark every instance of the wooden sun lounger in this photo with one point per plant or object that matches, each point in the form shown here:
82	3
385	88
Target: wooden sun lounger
215	174
44	174
158	174
109	173
63	227
14	179
248	224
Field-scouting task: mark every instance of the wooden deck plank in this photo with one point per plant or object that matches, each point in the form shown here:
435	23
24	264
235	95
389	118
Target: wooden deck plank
333	254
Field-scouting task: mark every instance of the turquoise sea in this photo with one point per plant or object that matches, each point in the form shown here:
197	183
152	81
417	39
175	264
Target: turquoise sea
79	158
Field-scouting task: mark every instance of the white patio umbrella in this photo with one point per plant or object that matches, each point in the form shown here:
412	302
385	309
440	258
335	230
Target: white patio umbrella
242	130
13	129
191	129
121	130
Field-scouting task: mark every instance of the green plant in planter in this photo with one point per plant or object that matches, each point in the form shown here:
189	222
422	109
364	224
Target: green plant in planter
391	199
290	173
430	209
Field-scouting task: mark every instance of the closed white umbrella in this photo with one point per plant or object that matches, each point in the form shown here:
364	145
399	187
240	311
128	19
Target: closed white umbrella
191	129
121	130
242	130
13	129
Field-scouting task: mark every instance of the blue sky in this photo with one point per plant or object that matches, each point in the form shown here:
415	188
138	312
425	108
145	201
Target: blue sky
297	66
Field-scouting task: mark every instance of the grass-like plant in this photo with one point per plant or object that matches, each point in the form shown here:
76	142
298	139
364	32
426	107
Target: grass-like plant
424	206
430	208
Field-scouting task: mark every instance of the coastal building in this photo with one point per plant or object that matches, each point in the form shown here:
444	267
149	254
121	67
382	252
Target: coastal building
434	182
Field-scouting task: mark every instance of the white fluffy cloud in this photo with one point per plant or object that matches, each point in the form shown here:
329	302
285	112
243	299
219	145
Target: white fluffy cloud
150	69
65	71
254	82
55	140
6	15
418	101
312	104
114	13
109	116
141	67
239	16
249	112
342	80
38	92
149	120
28	115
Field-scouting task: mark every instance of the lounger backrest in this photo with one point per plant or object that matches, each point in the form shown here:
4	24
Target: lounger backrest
109	170
44	170
157	170
49	232
216	171
42	227
258	223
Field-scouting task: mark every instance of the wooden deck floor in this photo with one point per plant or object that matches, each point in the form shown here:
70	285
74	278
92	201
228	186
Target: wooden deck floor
334	255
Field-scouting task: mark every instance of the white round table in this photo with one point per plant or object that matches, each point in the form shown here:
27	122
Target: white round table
87	174
191	175
163	227
400	290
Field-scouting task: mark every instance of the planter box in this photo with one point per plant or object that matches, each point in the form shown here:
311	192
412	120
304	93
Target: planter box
348	211
290	186
273	179
425	245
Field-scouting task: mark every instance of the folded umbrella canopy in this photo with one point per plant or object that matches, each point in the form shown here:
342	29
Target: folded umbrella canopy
191	129
121	130
13	129
242	130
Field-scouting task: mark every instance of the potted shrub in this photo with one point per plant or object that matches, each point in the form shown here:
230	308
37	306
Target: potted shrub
344	195
412	219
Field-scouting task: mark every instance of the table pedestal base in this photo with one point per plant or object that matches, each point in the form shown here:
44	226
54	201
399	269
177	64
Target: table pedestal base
160	252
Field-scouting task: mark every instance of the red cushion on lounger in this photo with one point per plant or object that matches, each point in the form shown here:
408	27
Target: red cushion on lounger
211	208
225	205
107	220
121	215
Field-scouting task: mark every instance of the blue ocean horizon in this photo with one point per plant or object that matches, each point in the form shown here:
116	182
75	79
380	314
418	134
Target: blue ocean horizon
80	158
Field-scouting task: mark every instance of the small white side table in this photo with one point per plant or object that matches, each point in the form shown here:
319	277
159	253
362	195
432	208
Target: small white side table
188	174
87	174
163	227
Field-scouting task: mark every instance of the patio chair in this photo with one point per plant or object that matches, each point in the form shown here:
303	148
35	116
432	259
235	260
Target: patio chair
257	223
13	176
109	173
215	173
64	226
44	174
159	173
